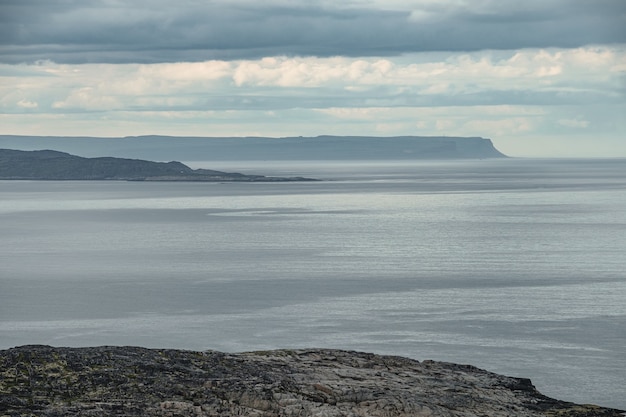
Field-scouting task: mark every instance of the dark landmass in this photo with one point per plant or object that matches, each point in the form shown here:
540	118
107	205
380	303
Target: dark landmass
131	381
54	165
322	148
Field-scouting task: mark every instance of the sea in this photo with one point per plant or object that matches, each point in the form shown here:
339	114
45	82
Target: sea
515	265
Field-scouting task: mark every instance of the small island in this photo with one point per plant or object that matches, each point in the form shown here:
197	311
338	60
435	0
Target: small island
133	381
55	165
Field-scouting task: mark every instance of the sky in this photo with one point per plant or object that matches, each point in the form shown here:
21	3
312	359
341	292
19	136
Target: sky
538	77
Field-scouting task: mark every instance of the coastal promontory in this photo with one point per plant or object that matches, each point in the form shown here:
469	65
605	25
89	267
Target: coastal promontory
300	148
132	381
55	165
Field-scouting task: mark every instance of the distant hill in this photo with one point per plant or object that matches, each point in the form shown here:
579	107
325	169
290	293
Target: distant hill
165	148
54	165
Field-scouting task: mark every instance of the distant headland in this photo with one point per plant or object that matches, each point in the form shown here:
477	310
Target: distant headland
55	165
321	148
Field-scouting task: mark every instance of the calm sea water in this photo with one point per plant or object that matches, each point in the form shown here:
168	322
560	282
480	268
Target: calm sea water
517	266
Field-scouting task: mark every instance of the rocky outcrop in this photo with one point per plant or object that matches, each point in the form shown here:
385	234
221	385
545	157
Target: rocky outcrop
131	381
54	165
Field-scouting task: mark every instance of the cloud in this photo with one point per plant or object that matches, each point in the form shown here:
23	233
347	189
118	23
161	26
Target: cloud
142	31
303	72
574	123
524	77
27	104
86	99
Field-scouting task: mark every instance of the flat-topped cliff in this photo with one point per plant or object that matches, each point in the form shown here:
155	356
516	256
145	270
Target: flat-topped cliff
132	381
164	148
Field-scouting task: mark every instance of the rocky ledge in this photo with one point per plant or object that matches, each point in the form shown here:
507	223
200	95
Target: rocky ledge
131	381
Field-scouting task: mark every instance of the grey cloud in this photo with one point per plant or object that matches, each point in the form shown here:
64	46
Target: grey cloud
72	31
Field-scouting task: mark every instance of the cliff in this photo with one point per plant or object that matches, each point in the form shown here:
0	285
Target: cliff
160	148
130	381
54	165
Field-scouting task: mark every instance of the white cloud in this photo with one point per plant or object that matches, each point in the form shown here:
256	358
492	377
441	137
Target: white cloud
486	121
87	99
27	104
186	71
445	125
498	128
310	72
574	123
383	80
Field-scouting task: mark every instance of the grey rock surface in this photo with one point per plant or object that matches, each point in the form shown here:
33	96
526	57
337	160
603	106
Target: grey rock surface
132	381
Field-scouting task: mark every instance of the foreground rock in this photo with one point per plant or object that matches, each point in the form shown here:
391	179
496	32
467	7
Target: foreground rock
55	165
130	381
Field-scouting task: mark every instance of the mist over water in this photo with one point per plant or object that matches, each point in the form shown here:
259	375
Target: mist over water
516	266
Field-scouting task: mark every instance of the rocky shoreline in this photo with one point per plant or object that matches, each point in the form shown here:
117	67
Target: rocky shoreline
132	381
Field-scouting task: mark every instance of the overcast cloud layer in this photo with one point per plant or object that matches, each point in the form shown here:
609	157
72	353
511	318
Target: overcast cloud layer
539	77
79	31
